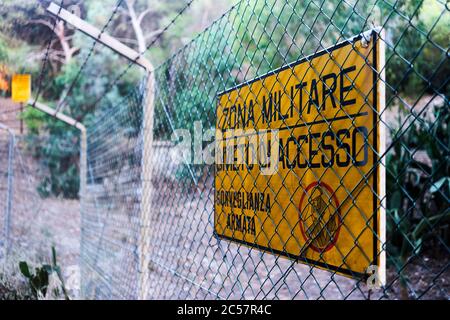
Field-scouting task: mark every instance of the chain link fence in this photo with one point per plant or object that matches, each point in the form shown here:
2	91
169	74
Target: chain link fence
110	211
157	222
7	148
31	224
183	257
21	203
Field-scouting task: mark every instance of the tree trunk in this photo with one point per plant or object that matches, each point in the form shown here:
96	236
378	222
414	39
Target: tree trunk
136	26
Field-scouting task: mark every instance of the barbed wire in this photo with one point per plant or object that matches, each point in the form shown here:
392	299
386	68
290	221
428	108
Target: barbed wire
140	54
91	50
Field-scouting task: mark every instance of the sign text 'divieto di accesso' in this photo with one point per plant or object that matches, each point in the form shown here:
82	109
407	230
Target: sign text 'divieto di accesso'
298	165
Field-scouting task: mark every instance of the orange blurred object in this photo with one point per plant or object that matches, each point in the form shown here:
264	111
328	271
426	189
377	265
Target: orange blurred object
4	82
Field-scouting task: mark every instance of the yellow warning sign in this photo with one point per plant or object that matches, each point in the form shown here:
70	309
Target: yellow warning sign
298	160
21	87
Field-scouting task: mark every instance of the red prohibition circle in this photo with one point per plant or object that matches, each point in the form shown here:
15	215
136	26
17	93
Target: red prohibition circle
302	227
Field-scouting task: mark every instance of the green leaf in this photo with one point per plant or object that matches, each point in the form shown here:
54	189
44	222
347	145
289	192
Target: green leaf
42	280
425	223
417	246
54	255
396	218
23	266
396	200
47	268
57	269
438	184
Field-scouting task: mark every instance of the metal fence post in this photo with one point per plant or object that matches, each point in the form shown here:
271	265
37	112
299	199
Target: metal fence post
83	162
9	193
139	59
147	192
83	183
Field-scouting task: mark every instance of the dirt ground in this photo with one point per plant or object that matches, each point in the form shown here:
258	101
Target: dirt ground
36	225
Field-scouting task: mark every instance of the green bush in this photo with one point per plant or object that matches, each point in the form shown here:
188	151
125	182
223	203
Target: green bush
57	152
57	145
416	53
39	280
418	190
